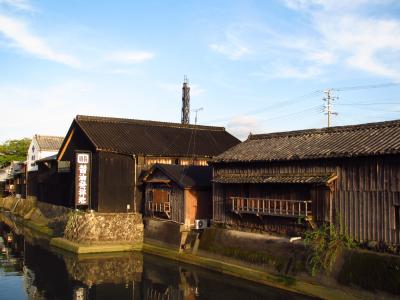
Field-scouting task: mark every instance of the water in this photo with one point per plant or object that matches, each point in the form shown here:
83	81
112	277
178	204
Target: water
30	269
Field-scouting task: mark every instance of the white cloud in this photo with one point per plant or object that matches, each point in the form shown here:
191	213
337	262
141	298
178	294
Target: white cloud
367	44
233	48
130	57
332	4
23	5
21	38
341	34
195	89
47	110
347	34
242	126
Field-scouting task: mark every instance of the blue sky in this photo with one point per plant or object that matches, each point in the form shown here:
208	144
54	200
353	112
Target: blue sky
254	66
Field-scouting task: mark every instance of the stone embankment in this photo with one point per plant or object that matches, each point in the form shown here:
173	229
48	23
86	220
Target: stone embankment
78	231
104	227
120	268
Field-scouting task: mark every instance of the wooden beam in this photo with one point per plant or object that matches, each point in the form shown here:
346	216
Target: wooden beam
66	144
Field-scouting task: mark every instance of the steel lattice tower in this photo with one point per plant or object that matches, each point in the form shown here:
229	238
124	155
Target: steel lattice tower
185	102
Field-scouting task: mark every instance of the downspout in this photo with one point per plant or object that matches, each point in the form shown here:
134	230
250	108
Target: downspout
134	185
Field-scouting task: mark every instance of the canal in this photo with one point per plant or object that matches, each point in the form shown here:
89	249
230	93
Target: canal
30	269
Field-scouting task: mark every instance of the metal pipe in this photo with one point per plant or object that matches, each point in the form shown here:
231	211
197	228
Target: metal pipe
134	186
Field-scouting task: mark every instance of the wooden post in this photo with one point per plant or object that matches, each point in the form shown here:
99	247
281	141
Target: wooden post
306	208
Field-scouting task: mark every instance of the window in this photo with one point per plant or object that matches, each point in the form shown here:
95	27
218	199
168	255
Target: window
397	217
33	148
33	157
151	161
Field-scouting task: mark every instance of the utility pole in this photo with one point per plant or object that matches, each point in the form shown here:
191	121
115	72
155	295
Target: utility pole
329	105
196	111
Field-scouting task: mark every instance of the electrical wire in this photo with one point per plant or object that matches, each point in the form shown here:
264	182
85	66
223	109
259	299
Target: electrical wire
366	87
273	106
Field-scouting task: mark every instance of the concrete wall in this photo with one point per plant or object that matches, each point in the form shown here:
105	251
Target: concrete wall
376	272
162	232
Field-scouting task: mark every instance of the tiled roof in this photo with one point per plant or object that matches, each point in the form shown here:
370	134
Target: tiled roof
51	143
185	176
342	141
128	136
276	178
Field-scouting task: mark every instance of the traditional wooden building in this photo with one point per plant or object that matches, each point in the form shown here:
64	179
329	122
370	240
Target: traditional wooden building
41	147
53	181
349	175
178	193
123	149
5	173
14	178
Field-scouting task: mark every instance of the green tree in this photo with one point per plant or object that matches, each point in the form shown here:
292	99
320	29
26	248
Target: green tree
14	150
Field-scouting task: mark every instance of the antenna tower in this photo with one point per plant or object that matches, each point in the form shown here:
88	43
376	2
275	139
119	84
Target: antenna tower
185	118
196	111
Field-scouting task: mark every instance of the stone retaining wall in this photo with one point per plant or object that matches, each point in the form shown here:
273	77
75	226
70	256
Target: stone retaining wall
83	227
122	268
78	226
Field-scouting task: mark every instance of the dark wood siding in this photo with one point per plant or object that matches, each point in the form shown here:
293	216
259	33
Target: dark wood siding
115	182
53	187
32	183
364	197
176	199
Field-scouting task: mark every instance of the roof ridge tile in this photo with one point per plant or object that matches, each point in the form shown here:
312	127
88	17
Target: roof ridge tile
326	130
101	119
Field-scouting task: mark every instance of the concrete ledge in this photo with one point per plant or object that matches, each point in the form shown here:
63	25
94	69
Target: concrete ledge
277	281
93	248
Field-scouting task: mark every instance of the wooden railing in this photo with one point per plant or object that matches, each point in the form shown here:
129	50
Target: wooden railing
272	207
159	206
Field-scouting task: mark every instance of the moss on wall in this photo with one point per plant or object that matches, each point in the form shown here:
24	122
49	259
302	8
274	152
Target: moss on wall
282	257
371	271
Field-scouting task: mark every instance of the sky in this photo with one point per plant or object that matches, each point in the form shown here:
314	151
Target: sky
253	66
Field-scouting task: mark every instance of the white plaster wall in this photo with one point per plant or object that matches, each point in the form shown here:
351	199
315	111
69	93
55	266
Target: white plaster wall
31	153
38	154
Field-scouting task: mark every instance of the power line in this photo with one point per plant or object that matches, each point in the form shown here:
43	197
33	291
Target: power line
368	104
273	106
365	87
328	107
316	108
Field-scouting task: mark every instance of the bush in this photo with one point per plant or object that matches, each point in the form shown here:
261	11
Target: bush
326	243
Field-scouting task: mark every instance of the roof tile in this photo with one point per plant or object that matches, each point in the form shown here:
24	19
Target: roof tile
342	141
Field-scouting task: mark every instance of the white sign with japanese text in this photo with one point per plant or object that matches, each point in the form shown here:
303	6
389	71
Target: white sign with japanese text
82	178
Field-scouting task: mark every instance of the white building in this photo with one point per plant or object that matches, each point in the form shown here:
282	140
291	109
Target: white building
42	146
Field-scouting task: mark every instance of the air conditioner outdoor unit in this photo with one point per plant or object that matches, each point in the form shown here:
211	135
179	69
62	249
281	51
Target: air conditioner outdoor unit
201	224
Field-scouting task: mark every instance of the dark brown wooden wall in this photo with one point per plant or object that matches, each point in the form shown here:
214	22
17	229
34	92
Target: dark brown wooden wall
115	182
53	187
176	199
366	192
32	183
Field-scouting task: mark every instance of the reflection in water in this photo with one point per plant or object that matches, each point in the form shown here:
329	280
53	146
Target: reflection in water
39	272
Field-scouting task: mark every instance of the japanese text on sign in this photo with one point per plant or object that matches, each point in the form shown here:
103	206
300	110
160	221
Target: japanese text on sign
82	178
